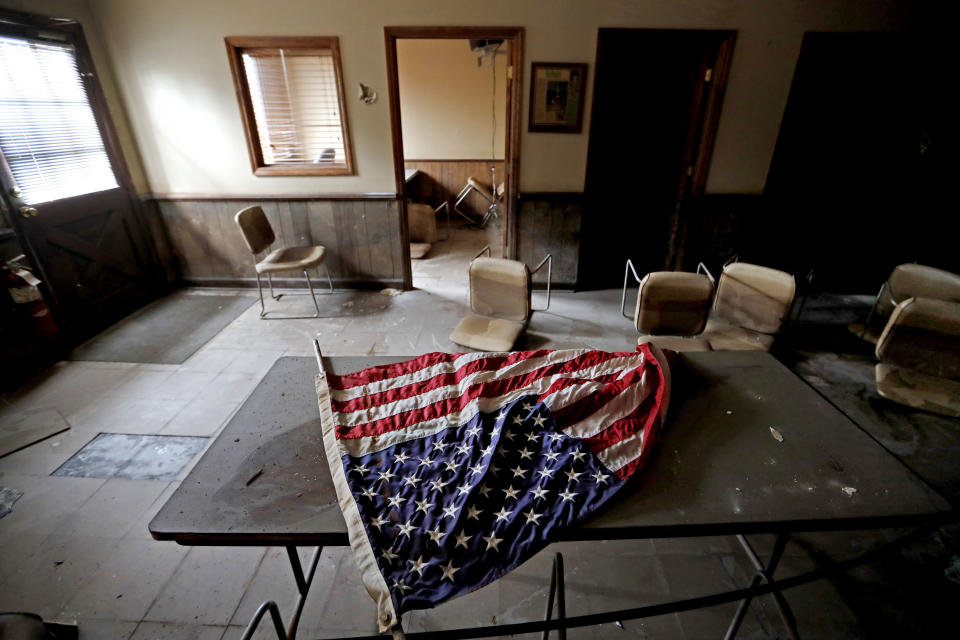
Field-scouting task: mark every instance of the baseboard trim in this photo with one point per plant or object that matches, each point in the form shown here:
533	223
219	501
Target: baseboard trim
319	283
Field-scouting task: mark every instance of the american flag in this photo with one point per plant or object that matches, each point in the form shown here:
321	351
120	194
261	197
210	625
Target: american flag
453	469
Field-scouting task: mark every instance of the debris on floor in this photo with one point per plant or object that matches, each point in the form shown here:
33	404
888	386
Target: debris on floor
390	291
7	498
776	435
850	491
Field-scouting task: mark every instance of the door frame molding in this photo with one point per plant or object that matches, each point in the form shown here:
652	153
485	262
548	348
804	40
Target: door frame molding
511	149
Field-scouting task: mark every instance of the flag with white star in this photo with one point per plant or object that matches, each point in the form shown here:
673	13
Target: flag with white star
453	469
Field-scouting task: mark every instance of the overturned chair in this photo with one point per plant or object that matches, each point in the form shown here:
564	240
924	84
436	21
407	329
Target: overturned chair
500	299
493	201
672	308
258	234
422	227
919	356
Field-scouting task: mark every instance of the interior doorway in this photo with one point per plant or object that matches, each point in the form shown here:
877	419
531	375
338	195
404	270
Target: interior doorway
656	105
454	103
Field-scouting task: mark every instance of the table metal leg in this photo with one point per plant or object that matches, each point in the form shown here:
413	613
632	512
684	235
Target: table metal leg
764	574
303	585
557	589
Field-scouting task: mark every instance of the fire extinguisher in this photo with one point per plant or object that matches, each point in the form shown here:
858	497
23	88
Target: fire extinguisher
24	289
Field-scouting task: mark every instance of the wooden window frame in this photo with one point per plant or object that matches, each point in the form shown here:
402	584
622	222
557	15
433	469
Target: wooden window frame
236	46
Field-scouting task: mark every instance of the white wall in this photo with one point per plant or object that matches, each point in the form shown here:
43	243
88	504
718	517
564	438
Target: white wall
447	102
171	67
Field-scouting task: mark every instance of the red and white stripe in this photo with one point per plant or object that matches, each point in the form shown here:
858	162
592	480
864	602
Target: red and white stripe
615	402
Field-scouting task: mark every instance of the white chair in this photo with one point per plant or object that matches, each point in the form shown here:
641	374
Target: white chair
500	294
258	234
672	308
492	199
750	306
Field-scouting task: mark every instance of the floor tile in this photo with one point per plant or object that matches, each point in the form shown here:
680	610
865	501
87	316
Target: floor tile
89	629
127	582
55	573
113	509
202	417
207	586
139	457
166	631
46	502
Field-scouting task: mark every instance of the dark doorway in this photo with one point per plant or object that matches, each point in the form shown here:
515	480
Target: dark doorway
65	181
860	173
656	105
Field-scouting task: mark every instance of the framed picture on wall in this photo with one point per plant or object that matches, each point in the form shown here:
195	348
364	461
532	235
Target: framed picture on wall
557	96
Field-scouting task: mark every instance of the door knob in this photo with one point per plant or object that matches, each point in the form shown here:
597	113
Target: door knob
28	212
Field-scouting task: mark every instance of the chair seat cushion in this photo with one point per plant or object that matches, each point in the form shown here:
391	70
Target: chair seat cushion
487	334
724	336
919	390
419	249
677	343
292	258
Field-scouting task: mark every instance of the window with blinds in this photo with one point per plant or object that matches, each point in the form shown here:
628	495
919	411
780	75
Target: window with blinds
291	99
48	134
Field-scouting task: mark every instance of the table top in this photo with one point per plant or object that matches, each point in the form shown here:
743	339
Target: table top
410	174
720	468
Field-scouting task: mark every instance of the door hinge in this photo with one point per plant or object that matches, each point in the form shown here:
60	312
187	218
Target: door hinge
708	75
510	72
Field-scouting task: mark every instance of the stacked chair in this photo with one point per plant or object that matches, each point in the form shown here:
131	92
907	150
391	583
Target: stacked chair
919	356
500	299
908	281
749	307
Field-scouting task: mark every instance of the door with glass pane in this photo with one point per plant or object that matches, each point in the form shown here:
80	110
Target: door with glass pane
65	181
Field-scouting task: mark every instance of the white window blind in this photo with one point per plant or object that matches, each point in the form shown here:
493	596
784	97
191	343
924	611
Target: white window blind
296	106
48	134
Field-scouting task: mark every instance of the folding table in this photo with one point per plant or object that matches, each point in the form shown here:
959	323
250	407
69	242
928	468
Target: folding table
749	448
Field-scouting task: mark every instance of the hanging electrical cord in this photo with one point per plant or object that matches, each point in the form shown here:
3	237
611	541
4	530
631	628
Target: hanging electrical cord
493	132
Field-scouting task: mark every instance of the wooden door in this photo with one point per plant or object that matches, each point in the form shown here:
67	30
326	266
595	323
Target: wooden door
656	105
92	250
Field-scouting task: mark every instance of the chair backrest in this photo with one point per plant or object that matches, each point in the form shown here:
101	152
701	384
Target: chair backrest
256	229
673	303
500	288
754	297
421	223
921	281
924	335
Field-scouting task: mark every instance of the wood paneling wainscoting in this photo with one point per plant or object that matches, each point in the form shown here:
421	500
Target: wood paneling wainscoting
441	180
550	223
360	231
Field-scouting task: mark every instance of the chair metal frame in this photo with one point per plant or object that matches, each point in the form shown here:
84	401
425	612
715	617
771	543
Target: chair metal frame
493	210
264	314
